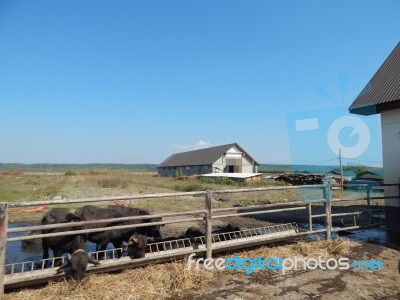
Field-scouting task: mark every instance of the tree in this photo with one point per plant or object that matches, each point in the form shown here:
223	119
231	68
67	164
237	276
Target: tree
356	169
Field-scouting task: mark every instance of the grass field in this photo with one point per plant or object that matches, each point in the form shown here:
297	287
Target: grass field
76	184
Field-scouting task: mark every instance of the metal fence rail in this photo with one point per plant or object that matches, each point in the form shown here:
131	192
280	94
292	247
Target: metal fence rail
158	248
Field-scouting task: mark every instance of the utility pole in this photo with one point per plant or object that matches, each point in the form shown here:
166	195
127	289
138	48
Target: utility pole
341	168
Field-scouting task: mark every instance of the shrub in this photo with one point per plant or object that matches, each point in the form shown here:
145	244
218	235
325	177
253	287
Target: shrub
222	181
190	187
70	173
113	183
179	173
49	190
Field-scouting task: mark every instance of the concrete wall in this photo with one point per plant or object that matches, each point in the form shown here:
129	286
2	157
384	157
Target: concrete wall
390	122
168	172
247	166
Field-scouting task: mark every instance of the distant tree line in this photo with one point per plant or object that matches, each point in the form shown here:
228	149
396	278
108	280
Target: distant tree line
65	167
356	169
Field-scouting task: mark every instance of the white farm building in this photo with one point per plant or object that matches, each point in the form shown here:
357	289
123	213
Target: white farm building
382	96
230	158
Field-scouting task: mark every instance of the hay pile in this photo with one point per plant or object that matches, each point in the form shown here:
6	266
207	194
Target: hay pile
166	280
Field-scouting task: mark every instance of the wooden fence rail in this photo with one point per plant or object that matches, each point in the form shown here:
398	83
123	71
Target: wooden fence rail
104	199
102	221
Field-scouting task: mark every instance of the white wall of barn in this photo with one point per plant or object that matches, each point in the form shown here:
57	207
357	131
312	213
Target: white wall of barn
247	165
390	122
231	155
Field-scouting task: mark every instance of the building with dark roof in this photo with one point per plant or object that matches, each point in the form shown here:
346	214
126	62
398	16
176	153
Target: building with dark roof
382	92
230	158
382	95
369	175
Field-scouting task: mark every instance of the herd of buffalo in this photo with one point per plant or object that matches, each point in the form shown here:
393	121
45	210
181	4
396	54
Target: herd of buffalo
136	239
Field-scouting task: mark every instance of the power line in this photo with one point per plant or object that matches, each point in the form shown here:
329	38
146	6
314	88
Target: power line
363	160
320	162
333	159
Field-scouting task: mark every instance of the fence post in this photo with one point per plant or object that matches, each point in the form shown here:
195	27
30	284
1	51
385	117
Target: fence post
398	199
309	217
328	220
208	225
369	204
3	244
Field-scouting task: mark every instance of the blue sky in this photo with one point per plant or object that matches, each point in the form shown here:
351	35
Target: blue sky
135	81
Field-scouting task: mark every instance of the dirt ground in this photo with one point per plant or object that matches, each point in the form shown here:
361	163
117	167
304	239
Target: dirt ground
317	284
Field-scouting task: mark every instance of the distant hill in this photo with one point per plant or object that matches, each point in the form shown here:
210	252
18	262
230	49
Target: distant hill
65	167
267	168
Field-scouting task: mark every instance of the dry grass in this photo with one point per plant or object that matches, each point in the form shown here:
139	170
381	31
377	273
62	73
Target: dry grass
150	282
170	279
333	248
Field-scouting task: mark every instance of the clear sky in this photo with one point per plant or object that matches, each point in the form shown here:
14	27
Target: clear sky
135	81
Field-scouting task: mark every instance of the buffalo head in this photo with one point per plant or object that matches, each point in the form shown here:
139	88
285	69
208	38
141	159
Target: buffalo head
77	263
136	246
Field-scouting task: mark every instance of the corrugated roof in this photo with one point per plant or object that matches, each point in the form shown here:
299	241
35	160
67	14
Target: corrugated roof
383	90
200	157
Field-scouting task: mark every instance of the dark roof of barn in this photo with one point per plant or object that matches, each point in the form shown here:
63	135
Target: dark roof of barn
200	157
383	90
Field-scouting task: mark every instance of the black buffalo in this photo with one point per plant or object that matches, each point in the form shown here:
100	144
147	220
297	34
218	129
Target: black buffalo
115	236
149	231
136	246
228	232
194	236
61	244
224	233
101	238
77	264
